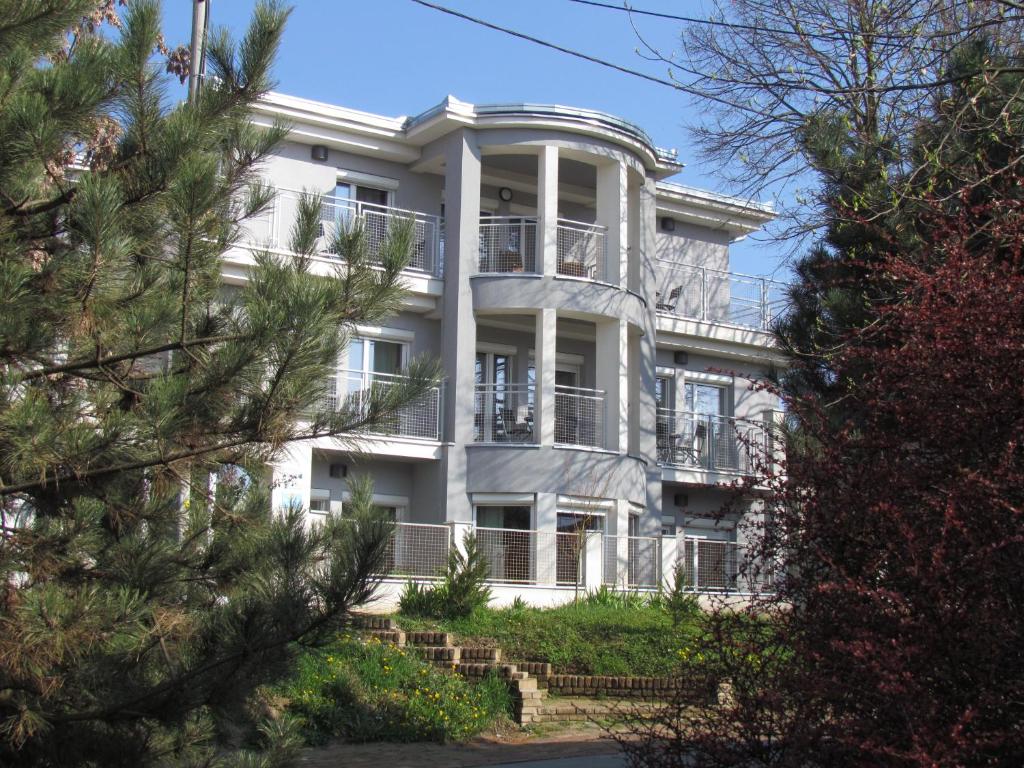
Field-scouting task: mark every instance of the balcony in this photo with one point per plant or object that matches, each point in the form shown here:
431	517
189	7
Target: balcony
354	390
272	229
582	250
503	413
508	244
711	443
711	295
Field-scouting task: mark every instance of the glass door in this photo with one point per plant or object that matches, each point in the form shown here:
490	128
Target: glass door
491	375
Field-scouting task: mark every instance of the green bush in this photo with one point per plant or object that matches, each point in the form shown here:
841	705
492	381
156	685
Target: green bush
598	635
680	604
377	692
462	591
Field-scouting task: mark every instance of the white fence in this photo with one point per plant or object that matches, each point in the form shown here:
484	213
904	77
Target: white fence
418	550
273	228
558	559
723	566
732	298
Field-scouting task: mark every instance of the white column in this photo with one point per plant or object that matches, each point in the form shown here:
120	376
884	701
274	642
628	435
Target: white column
593	560
671	552
546	525
612	346
613	213
622	543
292	475
459	531
458	346
547	210
546	330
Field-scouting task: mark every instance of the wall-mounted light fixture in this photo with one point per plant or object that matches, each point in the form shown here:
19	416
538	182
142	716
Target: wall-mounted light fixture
668	224
318	152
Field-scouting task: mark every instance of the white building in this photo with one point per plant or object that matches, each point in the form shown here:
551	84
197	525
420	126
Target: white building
597	350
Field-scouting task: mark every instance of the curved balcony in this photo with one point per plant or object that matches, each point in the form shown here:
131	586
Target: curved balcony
582	251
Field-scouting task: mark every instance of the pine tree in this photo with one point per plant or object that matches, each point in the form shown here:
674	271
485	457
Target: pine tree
148	588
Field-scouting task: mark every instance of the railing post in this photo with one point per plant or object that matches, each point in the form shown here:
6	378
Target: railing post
696	564
593	559
459	531
764	304
703	293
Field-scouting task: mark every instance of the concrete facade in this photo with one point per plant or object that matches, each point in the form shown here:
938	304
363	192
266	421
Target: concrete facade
598	354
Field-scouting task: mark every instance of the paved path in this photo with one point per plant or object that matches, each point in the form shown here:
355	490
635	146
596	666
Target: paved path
583	748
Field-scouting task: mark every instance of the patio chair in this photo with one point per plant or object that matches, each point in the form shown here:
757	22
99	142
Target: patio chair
691	447
518	424
669	305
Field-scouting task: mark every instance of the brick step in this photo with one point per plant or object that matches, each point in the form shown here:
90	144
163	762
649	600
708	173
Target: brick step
481	669
369	621
470	653
429	638
439	654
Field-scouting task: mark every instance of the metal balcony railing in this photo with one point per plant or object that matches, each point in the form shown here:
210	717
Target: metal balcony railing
417	550
582	250
707	294
579	416
511	554
713	443
273	227
556	558
722	566
632	562
420	418
508	244
503	413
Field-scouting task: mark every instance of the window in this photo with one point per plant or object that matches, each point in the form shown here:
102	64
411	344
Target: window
705	399
376	356
496	410
357	194
662	388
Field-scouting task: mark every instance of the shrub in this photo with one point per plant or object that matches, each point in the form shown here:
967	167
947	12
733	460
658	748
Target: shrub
418	600
462	591
677	602
377	691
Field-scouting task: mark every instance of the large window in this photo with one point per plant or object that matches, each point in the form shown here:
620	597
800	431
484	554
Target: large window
705	399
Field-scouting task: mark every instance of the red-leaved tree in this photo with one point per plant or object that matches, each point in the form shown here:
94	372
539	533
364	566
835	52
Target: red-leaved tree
897	633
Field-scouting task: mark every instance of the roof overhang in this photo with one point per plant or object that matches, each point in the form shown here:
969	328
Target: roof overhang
734	215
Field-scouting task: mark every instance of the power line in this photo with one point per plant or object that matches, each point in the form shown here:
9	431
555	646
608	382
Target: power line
561	49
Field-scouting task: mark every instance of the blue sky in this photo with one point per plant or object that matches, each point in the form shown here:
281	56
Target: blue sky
394	57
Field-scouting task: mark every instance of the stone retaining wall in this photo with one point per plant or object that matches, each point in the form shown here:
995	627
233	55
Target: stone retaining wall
612	687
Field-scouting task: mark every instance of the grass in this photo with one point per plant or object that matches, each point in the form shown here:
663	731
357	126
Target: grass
378	692
599	635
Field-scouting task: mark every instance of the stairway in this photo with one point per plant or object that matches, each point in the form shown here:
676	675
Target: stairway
527	680
440	649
